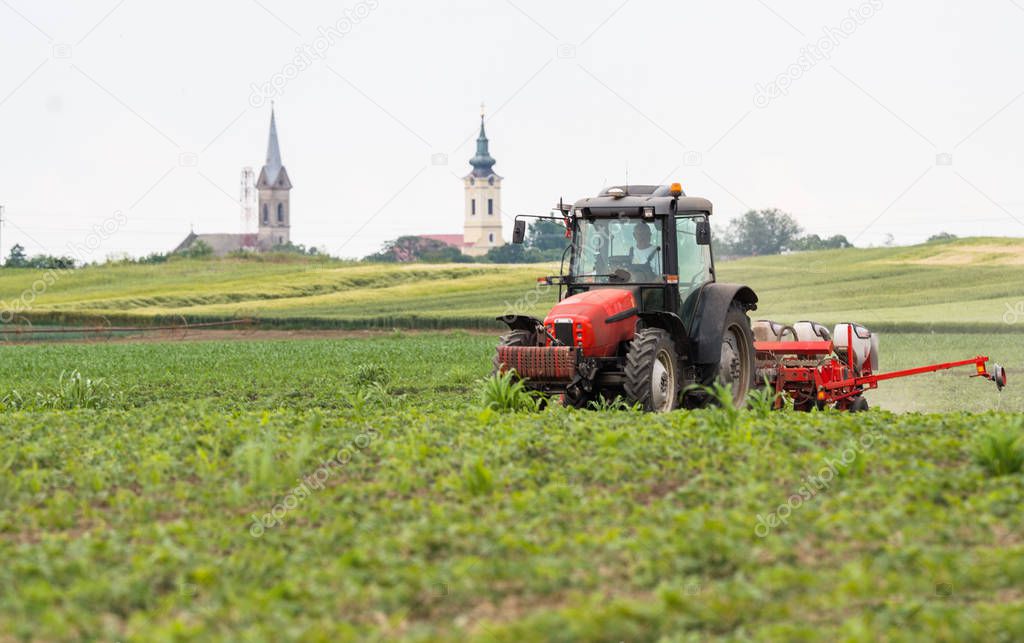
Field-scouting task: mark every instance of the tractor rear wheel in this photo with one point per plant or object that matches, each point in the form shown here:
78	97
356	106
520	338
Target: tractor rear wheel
513	338
736	367
652	371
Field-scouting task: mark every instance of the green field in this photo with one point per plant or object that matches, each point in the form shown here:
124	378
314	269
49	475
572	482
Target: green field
193	502
357	489
969	285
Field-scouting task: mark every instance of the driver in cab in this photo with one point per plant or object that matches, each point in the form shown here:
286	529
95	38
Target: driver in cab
643	255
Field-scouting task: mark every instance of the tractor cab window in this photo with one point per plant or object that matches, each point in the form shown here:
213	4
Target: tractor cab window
616	250
694	263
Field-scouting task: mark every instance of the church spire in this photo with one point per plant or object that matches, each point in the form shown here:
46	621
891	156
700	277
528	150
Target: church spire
483	162
273	165
273	174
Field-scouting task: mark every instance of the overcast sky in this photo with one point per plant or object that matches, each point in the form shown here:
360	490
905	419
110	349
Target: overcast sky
904	119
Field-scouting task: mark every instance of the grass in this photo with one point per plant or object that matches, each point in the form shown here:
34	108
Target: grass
359	490
962	286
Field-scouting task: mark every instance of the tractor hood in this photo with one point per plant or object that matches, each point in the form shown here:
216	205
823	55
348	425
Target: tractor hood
596	321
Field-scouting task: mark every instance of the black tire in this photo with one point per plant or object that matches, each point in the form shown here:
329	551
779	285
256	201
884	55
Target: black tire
513	338
859	405
736	366
652	371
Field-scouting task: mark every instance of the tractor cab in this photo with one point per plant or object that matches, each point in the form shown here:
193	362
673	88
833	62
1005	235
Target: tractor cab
652	240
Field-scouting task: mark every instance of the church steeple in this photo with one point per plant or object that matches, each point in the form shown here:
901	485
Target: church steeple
274	200
482	230
271	175
273	147
482	162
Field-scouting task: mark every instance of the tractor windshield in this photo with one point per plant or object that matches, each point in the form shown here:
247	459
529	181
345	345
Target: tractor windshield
615	250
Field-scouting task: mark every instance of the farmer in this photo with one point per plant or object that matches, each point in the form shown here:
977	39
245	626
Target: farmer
642	254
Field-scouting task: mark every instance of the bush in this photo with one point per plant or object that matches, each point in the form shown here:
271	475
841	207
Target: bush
18	259
198	250
51	262
413	248
814	242
518	253
1000	452
155	257
371	373
73	391
506	393
617	403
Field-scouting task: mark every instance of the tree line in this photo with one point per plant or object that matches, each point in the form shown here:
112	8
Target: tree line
757	232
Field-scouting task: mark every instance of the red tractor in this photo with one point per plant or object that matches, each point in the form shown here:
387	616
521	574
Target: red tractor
641	315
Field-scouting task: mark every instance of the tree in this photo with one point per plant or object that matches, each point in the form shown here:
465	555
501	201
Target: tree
198	250
155	257
942	236
48	262
814	242
546	235
17	257
412	248
295	248
508	253
760	232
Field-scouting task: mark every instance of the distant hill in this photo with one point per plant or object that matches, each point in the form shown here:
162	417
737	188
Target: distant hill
967	284
964	284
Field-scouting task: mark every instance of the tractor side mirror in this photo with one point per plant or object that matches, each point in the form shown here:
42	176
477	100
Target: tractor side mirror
703	233
519	231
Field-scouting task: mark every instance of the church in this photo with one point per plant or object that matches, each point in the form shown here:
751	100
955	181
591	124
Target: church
482	227
274	211
482	216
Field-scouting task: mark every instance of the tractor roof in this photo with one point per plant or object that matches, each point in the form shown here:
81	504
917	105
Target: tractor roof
638	197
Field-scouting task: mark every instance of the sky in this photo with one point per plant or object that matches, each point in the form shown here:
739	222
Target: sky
126	123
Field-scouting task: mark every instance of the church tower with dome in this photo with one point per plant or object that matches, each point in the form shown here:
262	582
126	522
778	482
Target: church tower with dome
482	228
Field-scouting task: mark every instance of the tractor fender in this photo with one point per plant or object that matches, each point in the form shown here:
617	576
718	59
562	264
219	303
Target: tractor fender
520	322
715	299
670	322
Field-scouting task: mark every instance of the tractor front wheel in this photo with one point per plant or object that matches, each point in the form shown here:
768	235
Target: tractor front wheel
652	371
